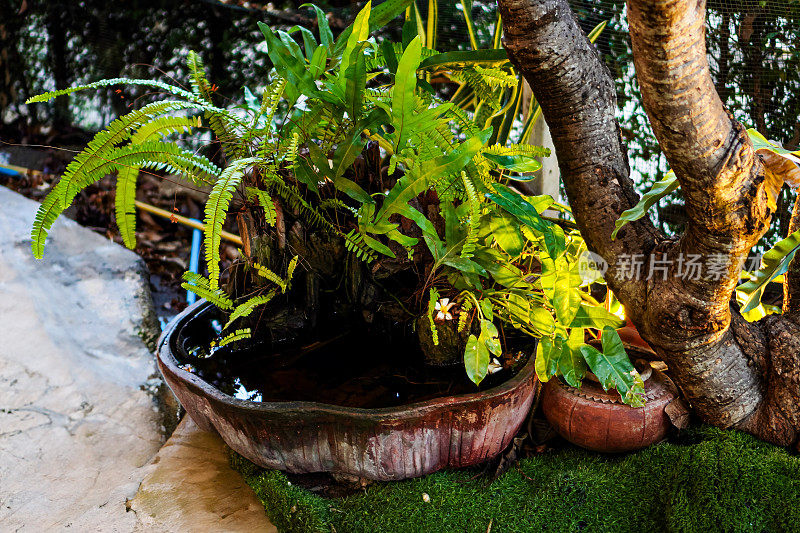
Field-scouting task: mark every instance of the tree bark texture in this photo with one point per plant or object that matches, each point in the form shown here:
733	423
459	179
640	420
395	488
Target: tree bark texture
734	373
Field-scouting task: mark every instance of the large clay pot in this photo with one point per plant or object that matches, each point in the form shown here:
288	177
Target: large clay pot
598	420
389	443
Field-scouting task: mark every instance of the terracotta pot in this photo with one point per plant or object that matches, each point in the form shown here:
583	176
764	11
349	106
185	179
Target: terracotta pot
598	420
388	443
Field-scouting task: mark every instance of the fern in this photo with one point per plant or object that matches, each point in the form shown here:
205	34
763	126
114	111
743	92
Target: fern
471	240
464	314
151	154
177	91
265	202
354	243
244	309
198	80
517	149
124	200
201	287
433	297
283	283
124	204
163	126
217	211
238	335
264	272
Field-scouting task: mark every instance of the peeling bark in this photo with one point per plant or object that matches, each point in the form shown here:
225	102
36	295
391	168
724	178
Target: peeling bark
734	374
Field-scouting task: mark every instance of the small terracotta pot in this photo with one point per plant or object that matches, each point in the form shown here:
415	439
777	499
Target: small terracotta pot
598	420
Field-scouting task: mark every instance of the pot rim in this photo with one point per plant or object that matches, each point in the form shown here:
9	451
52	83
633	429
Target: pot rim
166	358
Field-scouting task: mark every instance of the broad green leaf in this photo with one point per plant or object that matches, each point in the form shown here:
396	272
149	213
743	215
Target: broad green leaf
614	369
542	321
761	143
457	159
515	163
488	310
318	61
465	265
527	214
476	360
659	190
418	180
489	337
378	18
325	34
548	353
571	364
404	100
567	297
506	233
774	263
590	316
378	246
359	31
502	270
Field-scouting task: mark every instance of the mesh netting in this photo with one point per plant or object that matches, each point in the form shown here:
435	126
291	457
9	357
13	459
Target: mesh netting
751	45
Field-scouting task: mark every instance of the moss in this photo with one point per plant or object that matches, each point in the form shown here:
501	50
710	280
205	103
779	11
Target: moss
709	480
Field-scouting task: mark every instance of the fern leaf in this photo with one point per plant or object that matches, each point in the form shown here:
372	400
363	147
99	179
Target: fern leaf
354	243
81	174
290	269
433	297
464	314
471	240
244	309
198	80
238	335
216	297
124	203
264	272
217	211
163	126
177	91
517	149
265	202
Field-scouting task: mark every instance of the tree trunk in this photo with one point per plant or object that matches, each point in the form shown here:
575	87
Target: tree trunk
734	373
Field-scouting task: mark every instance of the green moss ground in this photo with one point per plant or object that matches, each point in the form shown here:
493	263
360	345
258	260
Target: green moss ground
711	480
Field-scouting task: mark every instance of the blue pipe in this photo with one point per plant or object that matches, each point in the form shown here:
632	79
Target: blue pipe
194	261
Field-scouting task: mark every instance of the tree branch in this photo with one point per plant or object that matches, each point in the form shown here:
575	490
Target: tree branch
722	179
578	100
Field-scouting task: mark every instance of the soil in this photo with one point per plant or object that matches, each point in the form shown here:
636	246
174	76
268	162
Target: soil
335	364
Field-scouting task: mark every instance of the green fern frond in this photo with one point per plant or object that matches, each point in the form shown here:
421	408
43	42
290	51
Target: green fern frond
244	309
265	202
124	204
200	286
354	243
197	71
264	272
290	269
238	335
283	283
464	314
433	297
163	126
217	211
517	149
151	154
496	77
297	203
177	91
471	240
